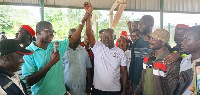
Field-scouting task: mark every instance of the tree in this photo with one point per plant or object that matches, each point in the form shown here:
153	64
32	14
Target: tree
11	19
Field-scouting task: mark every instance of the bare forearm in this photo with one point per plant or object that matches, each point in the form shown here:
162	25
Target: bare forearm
130	30
76	34
124	78
37	76
89	78
91	38
130	82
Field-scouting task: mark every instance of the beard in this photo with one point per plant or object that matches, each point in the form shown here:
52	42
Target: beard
146	31
22	39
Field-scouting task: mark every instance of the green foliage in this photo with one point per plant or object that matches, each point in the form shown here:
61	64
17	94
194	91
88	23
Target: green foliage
6	17
11	19
63	20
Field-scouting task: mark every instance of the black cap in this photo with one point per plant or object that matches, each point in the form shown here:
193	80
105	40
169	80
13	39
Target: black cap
2	32
102	30
9	46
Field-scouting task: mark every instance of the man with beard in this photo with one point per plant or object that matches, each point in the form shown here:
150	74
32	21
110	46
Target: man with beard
77	65
138	52
43	70
177	52
157	78
25	35
11	58
191	45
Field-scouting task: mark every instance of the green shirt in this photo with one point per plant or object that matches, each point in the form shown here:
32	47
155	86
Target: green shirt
53	82
149	83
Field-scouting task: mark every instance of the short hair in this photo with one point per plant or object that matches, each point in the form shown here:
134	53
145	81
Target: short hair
196	30
41	24
3	32
71	30
136	22
111	31
135	30
149	18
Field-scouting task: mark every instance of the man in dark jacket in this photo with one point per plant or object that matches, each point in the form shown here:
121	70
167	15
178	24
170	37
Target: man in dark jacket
11	58
140	48
157	78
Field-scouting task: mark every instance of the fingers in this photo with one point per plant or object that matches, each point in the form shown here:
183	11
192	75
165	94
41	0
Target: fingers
86	4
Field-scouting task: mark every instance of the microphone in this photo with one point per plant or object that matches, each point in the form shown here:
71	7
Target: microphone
56	45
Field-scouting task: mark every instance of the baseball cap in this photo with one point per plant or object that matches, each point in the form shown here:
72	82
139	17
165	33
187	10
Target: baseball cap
9	46
102	30
29	29
124	34
182	26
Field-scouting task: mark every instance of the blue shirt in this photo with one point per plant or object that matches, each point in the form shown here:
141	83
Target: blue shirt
53	82
75	64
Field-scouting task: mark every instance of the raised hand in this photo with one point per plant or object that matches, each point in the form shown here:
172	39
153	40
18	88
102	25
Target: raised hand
130	91
88	7
84	19
172	57
129	24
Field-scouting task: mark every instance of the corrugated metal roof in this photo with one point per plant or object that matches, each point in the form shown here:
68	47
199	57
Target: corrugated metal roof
188	6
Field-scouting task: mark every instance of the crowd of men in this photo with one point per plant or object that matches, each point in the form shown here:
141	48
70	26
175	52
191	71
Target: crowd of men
145	64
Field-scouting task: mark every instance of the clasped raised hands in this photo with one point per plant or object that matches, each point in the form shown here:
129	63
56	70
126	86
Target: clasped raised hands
88	7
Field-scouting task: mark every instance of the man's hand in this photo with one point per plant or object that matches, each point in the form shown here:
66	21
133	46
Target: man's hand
172	57
129	24
84	19
123	93
88	7
55	57
130	91
88	90
67	88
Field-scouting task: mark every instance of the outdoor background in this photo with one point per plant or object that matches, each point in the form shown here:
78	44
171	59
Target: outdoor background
63	19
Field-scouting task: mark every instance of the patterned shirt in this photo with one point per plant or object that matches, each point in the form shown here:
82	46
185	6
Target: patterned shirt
75	64
139	50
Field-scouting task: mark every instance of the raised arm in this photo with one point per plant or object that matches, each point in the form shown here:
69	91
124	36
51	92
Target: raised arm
89	33
78	31
129	29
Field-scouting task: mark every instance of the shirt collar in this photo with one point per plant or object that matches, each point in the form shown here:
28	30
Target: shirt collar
3	71
164	54
33	46
78	48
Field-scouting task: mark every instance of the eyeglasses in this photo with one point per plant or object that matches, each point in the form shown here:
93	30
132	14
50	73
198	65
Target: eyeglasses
49	30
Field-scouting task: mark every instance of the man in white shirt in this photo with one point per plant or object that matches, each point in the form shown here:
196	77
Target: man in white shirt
109	65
